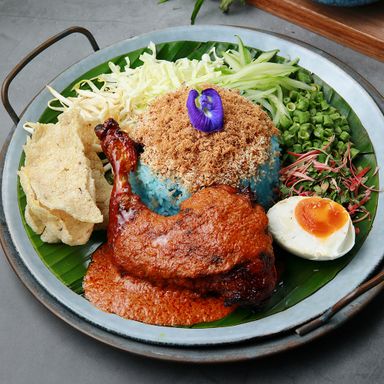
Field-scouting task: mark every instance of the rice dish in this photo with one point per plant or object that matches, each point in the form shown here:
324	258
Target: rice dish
177	160
164	195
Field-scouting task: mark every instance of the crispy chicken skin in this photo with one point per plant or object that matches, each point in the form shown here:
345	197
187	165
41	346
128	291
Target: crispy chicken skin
217	245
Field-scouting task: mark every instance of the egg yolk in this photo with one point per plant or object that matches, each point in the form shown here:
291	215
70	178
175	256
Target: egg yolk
320	217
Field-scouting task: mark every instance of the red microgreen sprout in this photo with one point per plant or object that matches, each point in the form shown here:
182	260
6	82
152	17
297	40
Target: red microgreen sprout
337	178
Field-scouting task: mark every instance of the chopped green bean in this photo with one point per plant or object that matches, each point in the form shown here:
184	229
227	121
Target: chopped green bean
327	121
294	128
307	127
344	136
319	132
303	135
302	104
304	117
346	128
341	146
288	138
291	106
335	116
324	105
285	122
319	97
338	131
293	95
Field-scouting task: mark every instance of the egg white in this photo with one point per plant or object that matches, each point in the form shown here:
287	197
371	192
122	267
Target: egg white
288	233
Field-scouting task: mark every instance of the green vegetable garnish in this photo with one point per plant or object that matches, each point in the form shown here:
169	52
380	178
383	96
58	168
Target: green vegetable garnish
224	6
319	155
323	173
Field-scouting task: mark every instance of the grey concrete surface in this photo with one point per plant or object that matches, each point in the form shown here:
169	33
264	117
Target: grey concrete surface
35	346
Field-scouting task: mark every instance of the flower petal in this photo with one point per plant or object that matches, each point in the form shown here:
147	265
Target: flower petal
210	116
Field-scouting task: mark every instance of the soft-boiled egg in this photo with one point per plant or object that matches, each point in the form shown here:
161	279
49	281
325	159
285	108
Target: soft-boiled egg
314	228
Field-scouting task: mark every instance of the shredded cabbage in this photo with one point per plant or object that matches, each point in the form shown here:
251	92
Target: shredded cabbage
125	93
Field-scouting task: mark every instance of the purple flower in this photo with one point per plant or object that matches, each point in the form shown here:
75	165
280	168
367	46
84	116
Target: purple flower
209	116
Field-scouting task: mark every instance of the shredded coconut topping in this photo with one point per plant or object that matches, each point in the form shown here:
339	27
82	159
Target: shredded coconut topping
175	150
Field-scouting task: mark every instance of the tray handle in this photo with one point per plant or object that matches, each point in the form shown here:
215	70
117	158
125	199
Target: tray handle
27	59
329	313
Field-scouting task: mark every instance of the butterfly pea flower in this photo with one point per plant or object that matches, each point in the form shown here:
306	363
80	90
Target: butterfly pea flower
207	114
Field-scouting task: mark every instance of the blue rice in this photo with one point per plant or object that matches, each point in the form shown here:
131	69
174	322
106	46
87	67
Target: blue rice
164	196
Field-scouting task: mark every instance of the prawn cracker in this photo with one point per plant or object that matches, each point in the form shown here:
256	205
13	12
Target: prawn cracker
59	172
53	226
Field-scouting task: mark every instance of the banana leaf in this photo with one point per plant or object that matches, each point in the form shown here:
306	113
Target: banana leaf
299	278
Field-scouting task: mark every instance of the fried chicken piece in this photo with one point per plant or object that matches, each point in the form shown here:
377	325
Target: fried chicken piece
217	245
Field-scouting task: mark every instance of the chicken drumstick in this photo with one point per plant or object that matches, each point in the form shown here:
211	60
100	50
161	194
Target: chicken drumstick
217	245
